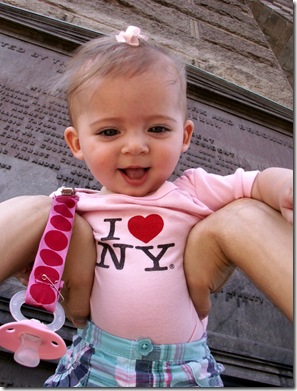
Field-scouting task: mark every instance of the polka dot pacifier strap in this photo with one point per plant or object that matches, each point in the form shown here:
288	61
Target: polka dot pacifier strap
45	282
30	339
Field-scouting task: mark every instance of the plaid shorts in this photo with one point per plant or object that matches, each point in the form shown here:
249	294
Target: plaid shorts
99	359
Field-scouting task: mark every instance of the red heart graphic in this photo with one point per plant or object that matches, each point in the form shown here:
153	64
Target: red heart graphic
145	228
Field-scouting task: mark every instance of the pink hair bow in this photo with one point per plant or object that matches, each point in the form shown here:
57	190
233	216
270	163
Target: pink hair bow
131	36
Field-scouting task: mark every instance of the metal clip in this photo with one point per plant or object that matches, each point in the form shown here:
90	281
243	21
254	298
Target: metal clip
68	191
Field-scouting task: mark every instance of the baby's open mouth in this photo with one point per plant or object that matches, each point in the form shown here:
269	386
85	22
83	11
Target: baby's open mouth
134	173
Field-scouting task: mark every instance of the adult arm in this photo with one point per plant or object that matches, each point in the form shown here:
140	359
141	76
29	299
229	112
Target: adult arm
22	222
247	234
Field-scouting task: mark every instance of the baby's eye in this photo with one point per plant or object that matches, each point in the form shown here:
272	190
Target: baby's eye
158	129
108	132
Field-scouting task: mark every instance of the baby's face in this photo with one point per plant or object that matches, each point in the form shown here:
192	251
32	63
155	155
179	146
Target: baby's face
130	131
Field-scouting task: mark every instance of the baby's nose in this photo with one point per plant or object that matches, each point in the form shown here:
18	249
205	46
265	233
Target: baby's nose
135	145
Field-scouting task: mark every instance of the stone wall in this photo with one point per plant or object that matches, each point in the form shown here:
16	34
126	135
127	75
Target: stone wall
223	37
236	40
275	18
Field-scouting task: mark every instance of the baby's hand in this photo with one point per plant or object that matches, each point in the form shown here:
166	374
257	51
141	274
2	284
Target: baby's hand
286	201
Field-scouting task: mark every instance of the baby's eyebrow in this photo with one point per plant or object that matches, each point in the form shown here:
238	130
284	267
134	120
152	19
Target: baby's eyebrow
102	120
161	117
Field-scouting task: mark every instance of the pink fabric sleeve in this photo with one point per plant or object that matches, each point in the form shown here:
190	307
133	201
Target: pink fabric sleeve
216	191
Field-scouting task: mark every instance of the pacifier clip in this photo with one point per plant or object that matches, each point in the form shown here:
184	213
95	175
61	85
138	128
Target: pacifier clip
30	339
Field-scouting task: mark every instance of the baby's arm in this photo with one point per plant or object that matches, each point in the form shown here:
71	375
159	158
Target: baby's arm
22	222
274	186
247	234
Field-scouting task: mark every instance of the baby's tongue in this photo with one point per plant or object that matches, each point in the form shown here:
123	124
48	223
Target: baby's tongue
135	173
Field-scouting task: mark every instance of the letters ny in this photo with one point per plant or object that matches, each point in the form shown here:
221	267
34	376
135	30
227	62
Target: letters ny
142	228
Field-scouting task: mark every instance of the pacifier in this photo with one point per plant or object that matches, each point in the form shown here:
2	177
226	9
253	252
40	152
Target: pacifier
30	339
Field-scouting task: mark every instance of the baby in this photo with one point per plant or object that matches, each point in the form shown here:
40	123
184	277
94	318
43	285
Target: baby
128	109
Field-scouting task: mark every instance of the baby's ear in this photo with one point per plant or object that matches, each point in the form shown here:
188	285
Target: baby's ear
72	140
188	131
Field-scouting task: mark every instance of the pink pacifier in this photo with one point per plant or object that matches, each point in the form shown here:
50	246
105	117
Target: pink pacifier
30	339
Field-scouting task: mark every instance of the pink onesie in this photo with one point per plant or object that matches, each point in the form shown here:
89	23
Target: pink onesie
139	288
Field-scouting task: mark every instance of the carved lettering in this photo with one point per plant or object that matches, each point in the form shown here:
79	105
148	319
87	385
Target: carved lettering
240	296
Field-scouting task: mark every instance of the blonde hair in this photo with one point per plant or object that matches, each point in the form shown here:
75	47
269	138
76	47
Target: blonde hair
105	57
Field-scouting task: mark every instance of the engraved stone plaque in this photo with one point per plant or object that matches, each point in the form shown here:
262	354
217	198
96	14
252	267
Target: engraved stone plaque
245	331
223	142
34	158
